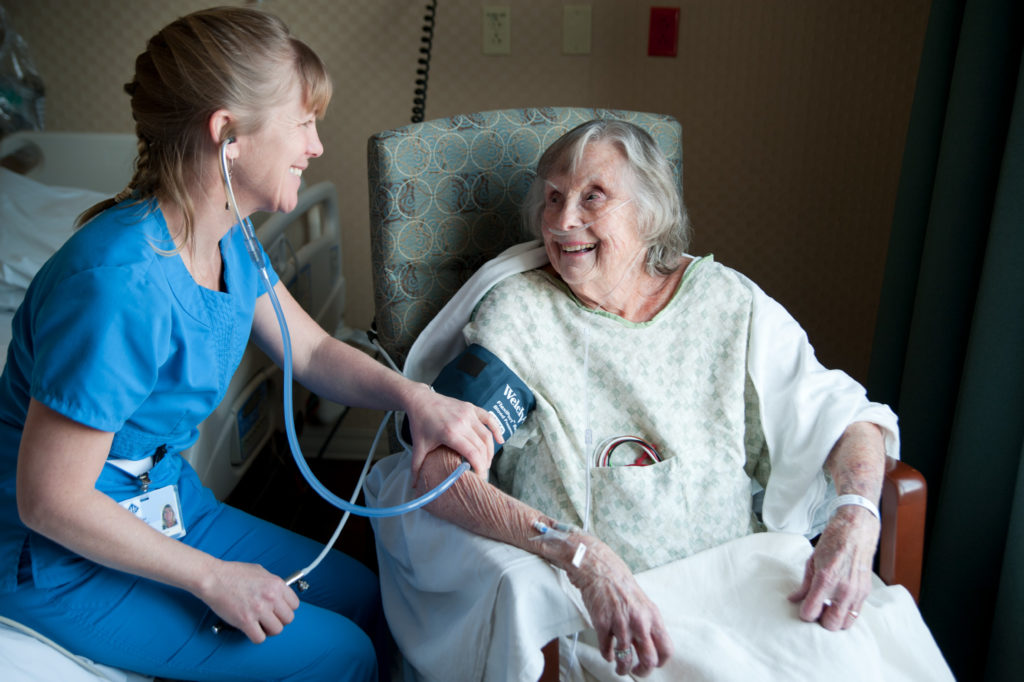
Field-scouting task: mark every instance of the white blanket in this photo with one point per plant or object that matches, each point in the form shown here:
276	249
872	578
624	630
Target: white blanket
442	587
731	621
463	607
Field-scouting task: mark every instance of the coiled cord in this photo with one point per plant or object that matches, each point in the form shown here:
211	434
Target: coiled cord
419	99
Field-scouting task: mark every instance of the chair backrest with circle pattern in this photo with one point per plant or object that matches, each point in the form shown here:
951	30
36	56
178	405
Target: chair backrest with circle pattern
445	197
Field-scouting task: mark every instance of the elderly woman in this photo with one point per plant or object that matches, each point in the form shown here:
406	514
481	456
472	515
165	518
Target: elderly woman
667	387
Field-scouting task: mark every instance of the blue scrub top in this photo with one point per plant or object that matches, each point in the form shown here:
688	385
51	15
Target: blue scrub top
115	334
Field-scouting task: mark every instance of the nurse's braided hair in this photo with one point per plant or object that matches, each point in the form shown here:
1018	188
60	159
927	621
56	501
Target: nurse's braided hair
233	58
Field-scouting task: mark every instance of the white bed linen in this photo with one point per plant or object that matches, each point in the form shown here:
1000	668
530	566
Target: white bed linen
36	220
26	656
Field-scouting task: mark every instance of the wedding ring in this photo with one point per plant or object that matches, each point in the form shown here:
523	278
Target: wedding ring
622	654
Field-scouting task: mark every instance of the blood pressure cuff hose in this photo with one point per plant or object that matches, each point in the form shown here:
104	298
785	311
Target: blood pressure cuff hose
477	376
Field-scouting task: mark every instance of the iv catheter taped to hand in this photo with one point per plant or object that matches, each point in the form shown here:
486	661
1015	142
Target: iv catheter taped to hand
479	377
560	532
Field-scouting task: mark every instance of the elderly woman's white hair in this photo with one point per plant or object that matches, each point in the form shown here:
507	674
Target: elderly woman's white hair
661	215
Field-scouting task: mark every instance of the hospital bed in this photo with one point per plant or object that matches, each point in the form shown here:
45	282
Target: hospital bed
72	171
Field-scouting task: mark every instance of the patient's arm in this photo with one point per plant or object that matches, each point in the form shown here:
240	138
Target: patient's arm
840	568
619	609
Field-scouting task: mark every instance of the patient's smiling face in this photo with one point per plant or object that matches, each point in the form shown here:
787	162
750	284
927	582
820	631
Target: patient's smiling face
589	225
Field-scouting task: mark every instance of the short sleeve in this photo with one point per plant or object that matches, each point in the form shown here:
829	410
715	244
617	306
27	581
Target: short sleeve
99	337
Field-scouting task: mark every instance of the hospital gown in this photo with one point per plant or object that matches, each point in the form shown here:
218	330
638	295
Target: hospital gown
681	381
678	382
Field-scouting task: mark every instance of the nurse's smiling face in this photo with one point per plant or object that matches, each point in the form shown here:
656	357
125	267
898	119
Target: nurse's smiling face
272	161
589	224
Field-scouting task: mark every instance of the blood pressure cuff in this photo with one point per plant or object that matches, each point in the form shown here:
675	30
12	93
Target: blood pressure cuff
477	376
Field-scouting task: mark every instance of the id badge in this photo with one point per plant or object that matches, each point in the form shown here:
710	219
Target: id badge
159	508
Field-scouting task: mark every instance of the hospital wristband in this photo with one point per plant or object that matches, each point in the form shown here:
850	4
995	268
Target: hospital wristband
856	500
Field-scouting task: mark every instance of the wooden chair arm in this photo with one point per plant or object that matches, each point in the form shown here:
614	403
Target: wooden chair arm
550	652
901	547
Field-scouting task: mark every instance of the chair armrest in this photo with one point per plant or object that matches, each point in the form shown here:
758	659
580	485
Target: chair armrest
901	547
550	652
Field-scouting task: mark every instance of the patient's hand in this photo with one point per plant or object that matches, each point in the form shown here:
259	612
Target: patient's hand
622	614
837	579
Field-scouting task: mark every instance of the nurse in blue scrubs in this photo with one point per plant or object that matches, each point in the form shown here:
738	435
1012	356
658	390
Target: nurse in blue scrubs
126	341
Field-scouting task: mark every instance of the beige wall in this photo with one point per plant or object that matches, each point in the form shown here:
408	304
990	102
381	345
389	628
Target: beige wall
794	115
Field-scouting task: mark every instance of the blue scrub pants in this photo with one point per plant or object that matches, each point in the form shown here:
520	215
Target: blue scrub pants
141	625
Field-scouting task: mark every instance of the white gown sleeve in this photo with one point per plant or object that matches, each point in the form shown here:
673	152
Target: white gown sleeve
804	410
441	340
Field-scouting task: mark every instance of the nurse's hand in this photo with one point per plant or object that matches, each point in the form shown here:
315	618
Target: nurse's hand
436	420
250	598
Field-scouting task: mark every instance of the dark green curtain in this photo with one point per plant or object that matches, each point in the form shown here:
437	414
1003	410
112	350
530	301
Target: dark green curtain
948	353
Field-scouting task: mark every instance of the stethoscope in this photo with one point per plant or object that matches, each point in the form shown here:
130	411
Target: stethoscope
252	245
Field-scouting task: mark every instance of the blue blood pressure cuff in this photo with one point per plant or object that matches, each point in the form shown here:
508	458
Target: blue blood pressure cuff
477	376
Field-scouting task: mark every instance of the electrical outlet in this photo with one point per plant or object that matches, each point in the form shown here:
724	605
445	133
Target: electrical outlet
497	29
576	29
